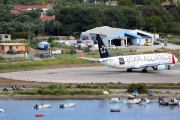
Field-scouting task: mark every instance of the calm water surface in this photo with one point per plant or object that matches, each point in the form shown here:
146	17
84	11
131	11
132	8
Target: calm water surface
85	110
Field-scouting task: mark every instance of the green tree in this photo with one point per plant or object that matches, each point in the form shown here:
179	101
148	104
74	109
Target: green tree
114	17
78	19
153	10
154	24
40	2
126	3
176	13
135	20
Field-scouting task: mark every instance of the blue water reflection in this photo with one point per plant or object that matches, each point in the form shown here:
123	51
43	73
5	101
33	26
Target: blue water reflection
86	110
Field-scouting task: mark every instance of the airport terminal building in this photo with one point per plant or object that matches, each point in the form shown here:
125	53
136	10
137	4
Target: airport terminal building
118	36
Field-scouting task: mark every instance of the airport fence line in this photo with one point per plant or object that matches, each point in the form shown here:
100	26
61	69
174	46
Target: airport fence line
13	58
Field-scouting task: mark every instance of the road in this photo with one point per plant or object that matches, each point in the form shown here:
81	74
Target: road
97	74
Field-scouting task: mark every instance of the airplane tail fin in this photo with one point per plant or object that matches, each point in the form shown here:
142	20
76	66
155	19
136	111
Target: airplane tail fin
80	54
103	50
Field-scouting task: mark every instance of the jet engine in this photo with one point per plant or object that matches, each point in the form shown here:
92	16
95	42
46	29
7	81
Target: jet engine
159	67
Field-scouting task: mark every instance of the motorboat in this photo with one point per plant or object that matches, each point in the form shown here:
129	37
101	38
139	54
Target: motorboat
135	93
132	99
42	106
1	110
67	105
115	100
145	101
173	101
169	101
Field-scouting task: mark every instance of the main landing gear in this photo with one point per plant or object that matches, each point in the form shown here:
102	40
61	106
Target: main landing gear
129	70
169	67
144	71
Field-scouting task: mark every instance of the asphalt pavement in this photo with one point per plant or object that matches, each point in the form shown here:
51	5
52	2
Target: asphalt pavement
97	75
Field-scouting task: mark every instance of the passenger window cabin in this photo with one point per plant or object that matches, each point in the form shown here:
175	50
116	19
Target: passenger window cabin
121	61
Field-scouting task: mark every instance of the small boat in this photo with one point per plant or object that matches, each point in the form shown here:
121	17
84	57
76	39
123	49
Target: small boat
42	106
67	105
40	115
132	99
151	94
115	100
135	93
114	110
1	110
145	101
173	101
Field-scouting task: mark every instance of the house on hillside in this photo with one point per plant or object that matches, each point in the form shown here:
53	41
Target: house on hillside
45	18
16	12
31	7
4	47
5	37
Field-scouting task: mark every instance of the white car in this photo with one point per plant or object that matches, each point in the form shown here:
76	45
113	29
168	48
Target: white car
112	47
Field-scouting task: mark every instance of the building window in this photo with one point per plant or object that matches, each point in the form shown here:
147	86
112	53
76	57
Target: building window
6	36
146	40
16	47
2	47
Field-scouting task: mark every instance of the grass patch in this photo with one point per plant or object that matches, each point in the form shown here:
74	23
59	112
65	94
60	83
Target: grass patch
60	90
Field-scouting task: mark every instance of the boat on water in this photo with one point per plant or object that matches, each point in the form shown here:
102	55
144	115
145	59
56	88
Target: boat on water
42	106
145	101
132	100
40	115
115	100
67	105
169	101
1	110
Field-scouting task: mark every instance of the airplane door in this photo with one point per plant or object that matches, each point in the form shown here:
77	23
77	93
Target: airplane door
121	61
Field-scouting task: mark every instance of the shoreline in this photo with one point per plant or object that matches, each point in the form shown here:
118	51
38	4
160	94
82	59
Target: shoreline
24	97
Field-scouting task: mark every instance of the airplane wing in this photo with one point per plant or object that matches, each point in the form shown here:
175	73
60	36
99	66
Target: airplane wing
82	57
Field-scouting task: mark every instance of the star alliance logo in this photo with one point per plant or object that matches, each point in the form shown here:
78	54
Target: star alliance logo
103	50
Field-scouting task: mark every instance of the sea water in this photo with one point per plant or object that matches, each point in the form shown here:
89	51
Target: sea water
95	109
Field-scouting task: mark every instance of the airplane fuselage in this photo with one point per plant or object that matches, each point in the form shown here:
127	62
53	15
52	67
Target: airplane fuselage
136	61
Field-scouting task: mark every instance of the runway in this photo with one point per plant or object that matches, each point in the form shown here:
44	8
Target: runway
97	75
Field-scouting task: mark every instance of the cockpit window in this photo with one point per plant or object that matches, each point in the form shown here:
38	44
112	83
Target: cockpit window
121	61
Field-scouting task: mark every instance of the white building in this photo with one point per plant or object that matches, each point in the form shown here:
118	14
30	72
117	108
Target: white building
118	36
5	37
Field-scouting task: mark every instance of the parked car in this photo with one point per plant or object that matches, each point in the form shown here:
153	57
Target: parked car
157	42
112	47
79	41
12	51
147	43
44	55
178	42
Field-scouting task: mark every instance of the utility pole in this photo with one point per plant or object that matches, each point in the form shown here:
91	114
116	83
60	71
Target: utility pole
58	22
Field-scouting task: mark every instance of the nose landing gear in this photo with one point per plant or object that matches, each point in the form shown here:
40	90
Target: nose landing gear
144	71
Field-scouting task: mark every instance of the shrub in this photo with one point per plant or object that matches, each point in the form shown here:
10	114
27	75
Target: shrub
141	88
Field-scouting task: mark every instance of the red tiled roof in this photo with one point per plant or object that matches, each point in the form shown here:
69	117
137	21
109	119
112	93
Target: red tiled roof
15	11
30	6
44	18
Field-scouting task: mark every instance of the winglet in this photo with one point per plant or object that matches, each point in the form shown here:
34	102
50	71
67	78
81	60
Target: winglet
80	54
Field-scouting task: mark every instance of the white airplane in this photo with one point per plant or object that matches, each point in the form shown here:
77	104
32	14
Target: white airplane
158	61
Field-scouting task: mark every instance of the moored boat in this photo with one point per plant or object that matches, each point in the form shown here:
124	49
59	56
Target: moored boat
67	105
42	106
1	110
115	100
132	99
145	101
40	115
